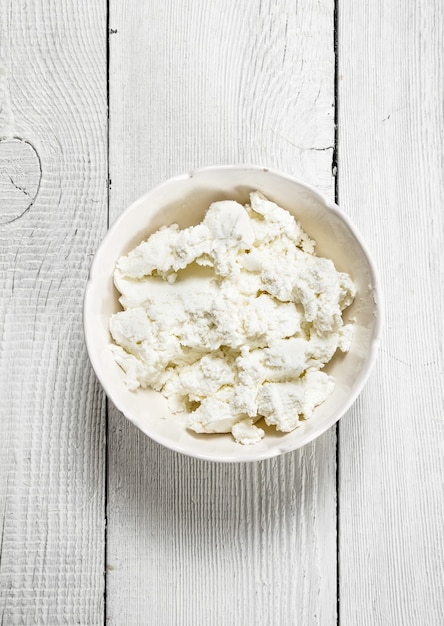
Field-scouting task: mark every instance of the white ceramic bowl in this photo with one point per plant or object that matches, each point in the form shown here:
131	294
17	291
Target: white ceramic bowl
183	200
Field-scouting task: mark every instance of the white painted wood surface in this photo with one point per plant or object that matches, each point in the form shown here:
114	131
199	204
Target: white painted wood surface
191	84
53	213
391	182
194	83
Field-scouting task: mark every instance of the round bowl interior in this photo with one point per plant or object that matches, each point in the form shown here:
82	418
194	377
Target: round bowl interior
184	200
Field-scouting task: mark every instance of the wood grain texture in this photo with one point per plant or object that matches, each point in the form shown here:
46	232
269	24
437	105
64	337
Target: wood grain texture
391	182
52	408
195	83
189	542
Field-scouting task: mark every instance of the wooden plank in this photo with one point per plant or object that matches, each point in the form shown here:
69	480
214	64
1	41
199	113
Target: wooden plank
198	83
53	210
391	183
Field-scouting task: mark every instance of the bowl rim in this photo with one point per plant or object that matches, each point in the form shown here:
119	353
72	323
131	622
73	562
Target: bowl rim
370	359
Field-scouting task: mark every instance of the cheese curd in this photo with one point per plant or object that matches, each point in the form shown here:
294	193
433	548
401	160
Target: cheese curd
232	319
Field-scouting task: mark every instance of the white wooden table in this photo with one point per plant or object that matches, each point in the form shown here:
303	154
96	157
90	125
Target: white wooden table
101	100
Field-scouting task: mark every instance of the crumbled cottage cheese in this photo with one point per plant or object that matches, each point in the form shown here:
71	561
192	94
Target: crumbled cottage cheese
232	319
